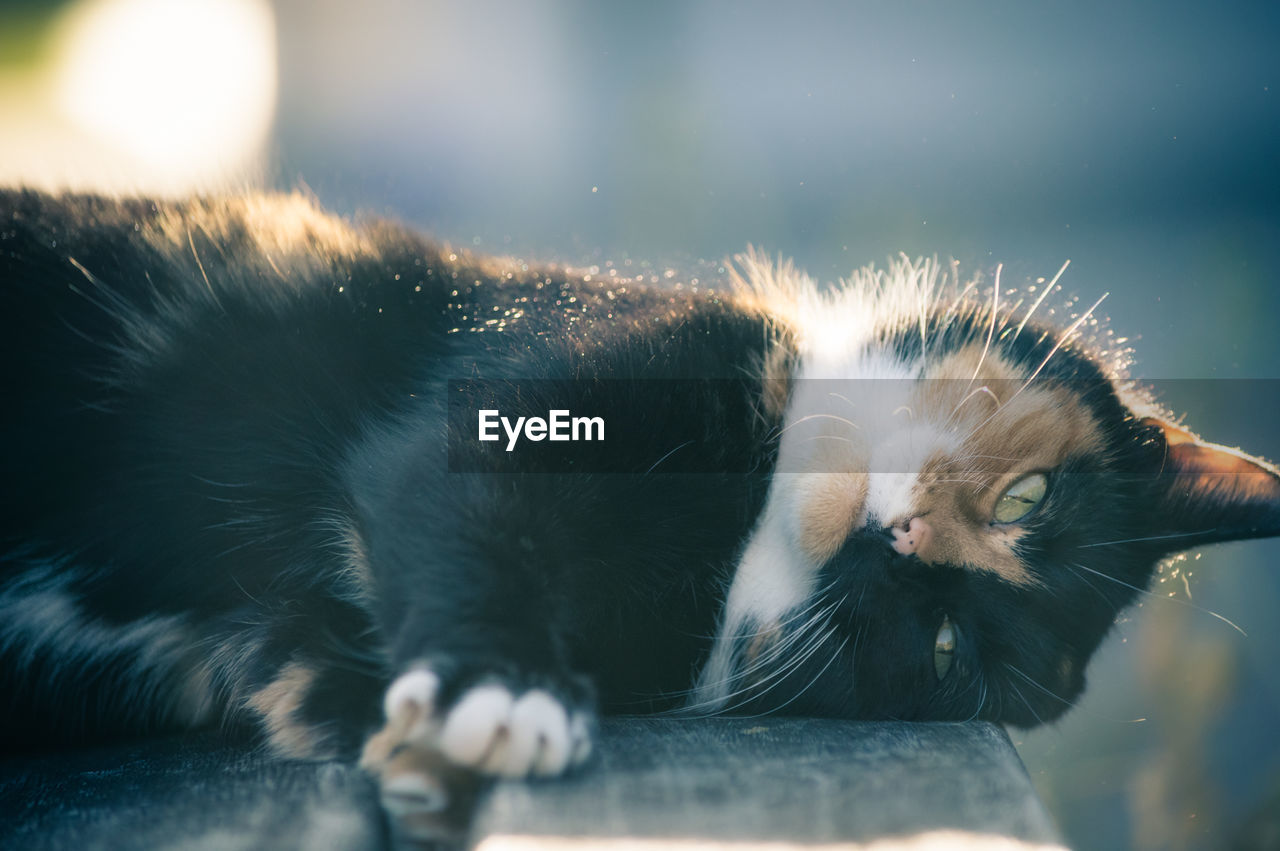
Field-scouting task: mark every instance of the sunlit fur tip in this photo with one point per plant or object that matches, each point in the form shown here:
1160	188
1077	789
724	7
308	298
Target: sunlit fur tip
905	288
909	292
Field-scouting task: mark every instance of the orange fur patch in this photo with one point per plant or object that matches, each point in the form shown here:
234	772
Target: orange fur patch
831	504
1004	429
1010	429
277	702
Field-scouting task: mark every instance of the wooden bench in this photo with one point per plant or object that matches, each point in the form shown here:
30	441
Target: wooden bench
723	783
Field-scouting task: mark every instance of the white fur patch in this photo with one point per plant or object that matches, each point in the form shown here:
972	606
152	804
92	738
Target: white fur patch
771	579
849	414
897	458
843	418
494	732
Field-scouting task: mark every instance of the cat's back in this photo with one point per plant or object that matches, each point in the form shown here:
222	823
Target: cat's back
112	263
150	344
144	341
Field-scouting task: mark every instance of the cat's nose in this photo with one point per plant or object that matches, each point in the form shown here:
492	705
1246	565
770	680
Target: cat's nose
912	536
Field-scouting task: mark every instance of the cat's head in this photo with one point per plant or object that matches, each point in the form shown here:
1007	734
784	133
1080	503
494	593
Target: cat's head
963	501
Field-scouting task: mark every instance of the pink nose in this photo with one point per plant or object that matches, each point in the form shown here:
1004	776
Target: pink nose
912	536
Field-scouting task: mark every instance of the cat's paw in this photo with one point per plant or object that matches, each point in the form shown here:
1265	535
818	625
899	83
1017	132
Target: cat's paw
492	726
495	731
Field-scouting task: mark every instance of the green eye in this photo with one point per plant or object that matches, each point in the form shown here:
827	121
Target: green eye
944	647
1021	497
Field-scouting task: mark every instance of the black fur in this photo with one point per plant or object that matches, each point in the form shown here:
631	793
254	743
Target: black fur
193	439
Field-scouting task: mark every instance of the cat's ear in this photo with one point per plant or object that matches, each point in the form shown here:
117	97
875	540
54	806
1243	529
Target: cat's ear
1211	493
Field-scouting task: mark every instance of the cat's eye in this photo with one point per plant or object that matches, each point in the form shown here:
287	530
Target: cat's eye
944	647
1021	498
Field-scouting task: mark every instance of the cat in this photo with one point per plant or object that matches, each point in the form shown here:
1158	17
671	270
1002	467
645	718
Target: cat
271	469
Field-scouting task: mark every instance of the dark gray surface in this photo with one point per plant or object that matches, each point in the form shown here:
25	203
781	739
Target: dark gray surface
746	779
798	780
195	792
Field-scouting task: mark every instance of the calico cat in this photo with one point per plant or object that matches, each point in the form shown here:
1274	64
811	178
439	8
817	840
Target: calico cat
266	468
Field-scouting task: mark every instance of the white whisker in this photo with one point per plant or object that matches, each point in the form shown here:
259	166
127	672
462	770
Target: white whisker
1148	538
847	422
995	312
1048	289
665	457
1158	597
811	682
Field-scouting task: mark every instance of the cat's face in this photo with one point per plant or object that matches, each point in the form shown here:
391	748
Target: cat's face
959	511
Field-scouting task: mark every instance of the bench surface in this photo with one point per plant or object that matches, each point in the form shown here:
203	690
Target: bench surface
764	783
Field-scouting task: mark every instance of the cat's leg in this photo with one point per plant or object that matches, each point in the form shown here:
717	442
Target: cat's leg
73	674
431	752
460	710
481	624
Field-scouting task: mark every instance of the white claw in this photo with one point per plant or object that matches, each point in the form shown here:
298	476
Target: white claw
539	742
477	726
413	691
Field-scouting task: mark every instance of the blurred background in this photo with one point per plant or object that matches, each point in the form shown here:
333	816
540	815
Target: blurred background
1140	141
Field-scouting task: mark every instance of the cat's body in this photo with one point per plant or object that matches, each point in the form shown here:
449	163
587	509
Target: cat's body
200	473
243	482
